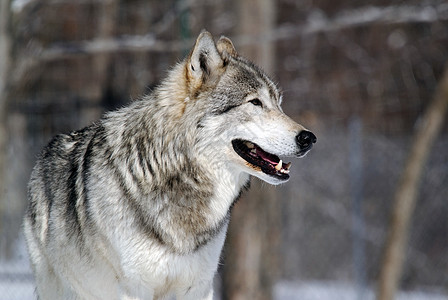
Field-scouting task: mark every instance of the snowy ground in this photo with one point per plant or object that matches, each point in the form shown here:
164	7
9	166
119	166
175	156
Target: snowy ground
320	290
16	283
24	290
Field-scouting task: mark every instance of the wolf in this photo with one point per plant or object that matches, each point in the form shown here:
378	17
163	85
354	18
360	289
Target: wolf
136	205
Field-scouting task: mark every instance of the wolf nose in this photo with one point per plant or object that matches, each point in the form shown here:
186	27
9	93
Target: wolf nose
305	140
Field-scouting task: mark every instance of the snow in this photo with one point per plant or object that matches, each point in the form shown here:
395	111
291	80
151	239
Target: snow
23	289
17	283
14	290
330	290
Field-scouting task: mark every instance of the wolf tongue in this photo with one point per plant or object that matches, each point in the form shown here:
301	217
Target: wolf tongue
270	158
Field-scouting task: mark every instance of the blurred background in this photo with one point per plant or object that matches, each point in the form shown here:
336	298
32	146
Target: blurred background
359	74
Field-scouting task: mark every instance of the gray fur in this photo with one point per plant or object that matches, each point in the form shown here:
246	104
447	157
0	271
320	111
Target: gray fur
148	182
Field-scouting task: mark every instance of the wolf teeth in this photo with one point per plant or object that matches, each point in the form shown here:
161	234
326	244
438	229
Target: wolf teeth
278	167
287	166
254	151
250	145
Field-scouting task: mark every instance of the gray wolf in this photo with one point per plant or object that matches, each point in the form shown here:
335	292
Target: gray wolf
136	205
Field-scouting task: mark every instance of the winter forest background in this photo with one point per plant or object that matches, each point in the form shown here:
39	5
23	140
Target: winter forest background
367	77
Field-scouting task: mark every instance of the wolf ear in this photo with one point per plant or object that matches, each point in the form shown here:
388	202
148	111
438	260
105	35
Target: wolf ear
226	48
204	60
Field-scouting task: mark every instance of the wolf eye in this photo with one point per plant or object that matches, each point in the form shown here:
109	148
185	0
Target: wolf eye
256	102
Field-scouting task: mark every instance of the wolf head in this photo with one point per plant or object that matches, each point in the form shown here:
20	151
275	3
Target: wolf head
241	123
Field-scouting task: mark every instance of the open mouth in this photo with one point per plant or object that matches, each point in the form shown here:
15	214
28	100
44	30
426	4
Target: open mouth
261	160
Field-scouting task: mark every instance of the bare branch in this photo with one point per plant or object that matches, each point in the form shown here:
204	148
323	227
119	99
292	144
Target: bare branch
406	194
316	23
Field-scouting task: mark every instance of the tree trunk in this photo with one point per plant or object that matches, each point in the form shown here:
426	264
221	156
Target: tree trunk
21	122
251	264
5	57
406	193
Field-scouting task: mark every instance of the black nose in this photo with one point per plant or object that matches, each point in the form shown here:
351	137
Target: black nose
305	140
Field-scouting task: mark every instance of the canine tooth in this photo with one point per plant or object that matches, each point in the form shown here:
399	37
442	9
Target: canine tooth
287	166
250	145
278	167
254	150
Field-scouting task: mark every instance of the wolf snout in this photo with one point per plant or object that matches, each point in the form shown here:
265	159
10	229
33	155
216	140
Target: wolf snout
305	140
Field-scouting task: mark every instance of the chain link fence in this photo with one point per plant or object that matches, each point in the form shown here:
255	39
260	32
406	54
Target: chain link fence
359	75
